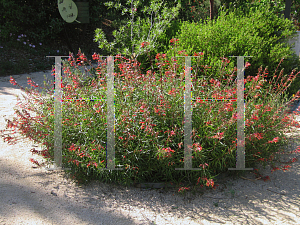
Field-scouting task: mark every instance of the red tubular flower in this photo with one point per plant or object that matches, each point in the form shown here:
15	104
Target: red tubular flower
198	147
198	54
144	43
274	140
12	81
95	56
247	65
34	161
157	56
210	182
183	189
173	40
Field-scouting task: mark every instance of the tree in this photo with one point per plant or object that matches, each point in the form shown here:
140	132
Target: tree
287	11
211	3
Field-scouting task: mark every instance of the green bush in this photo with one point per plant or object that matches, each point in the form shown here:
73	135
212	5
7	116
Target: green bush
245	5
163	44
149	124
261	34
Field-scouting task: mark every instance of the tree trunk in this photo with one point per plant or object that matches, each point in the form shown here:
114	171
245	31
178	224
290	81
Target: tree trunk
211	3
287	11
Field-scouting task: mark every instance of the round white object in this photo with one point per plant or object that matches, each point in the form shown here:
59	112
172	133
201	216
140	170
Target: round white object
68	10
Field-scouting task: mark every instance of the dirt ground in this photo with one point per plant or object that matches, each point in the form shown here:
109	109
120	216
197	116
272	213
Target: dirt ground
31	195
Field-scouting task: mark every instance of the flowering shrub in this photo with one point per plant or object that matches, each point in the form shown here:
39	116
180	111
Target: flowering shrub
149	118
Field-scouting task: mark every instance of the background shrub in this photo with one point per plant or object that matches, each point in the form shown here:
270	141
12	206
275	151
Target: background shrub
163	44
260	33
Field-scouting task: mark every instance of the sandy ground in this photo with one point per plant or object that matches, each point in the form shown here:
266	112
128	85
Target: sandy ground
30	195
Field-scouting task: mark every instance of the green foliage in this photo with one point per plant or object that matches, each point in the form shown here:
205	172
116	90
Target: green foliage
163	44
260	34
245	5
277	6
130	36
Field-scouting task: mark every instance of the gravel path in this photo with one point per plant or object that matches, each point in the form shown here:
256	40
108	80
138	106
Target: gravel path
31	195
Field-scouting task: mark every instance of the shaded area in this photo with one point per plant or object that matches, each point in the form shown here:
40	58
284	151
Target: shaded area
24	201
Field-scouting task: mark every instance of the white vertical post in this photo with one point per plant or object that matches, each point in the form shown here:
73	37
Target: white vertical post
188	143
240	152
295	42
110	144
57	115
